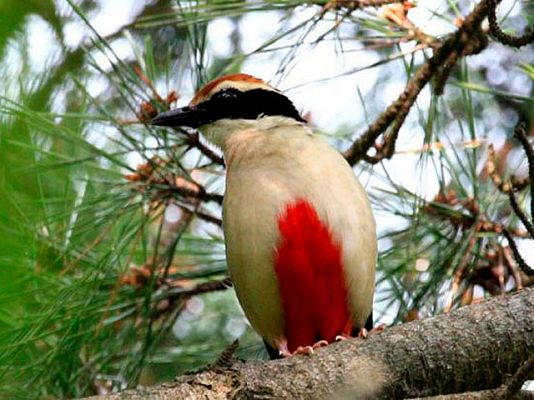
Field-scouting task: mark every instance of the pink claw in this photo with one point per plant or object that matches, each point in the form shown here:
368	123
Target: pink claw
320	343
363	333
378	329
304	350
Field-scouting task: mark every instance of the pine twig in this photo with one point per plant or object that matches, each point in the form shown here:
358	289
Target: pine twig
467	40
459	275
225	358
508	188
520	132
504	38
357	4
208	217
515	251
210	286
521	375
513	183
520	214
512	265
193	140
152	175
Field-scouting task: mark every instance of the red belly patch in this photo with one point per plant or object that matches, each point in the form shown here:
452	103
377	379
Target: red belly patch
310	275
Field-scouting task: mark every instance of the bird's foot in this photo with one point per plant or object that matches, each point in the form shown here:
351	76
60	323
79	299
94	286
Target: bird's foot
282	349
364	333
320	343
308	350
377	329
303	350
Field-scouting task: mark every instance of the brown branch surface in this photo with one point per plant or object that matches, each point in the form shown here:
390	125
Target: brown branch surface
474	348
492	394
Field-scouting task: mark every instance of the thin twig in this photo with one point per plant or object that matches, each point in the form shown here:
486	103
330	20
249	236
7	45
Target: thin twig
508	188
225	359
459	274
196	194
493	173
204	215
521	214
512	265
193	140
521	375
504	38
515	251
211	286
520	132
139	72
153	175
356	4
209	218
200	288
468	39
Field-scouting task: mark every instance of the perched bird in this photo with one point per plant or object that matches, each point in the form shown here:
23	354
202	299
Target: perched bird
299	231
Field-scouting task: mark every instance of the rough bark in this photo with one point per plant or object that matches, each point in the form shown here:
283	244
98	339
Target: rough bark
475	348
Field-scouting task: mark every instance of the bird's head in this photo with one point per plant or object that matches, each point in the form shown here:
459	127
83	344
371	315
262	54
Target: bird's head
231	97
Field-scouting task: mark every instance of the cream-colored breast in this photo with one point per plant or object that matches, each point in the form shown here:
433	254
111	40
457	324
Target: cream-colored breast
266	169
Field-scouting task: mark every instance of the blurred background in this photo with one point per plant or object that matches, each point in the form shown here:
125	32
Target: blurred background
112	265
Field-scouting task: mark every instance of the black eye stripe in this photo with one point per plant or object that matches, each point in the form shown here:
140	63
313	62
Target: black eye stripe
250	104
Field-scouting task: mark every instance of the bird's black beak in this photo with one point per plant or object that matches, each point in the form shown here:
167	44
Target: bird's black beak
186	116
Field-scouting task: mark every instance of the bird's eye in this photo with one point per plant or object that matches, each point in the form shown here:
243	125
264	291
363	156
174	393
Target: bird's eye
226	95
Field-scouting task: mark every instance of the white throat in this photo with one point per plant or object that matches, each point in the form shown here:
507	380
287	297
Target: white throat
220	131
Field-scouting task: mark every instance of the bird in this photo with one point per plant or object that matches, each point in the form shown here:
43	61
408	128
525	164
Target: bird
299	231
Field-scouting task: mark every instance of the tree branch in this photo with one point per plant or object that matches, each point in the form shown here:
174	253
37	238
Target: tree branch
508	187
471	349
522	374
468	39
356	4
509	40
517	255
193	140
520	132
